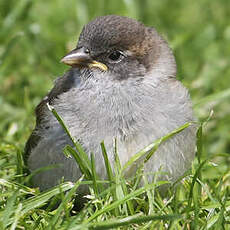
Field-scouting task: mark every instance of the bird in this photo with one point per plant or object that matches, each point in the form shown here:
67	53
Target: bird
121	84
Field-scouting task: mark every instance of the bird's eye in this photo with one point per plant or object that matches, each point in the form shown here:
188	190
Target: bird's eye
116	56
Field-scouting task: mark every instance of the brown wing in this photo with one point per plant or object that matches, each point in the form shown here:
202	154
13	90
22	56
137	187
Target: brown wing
61	85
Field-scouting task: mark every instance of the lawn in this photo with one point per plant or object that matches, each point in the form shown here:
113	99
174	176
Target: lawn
35	35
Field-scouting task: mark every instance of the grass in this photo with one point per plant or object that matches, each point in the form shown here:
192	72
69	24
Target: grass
195	203
34	36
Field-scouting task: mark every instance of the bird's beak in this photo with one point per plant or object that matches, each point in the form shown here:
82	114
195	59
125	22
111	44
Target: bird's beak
81	58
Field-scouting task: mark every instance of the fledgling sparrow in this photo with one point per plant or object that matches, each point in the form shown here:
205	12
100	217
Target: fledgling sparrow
122	84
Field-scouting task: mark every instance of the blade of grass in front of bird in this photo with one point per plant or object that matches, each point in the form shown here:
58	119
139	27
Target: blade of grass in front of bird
154	199
134	219
197	186
118	180
117	159
90	205
150	195
42	198
107	163
150	149
39	170
63	204
121	187
199	142
94	176
163	204
125	191
80	151
138	176
165	138
116	203
84	167
110	175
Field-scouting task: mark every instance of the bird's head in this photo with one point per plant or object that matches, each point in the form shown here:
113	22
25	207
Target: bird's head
123	47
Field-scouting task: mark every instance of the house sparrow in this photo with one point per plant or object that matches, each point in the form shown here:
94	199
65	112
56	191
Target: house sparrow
121	84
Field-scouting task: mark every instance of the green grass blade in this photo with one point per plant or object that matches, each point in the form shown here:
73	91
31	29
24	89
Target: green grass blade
135	219
18	214
78	147
195	177
94	176
107	163
199	142
165	138
9	210
116	203
15	185
20	164
41	199
84	167
64	202
150	149
126	192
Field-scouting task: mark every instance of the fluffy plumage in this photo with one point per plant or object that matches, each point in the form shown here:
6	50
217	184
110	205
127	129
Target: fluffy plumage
137	100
